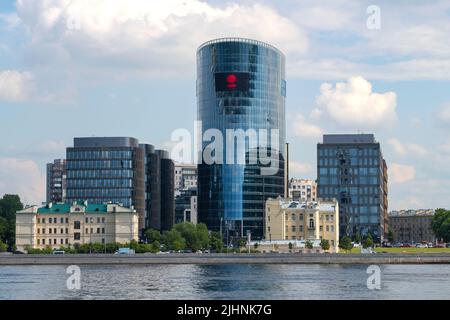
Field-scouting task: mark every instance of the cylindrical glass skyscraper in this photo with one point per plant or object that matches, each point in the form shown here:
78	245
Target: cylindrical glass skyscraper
240	86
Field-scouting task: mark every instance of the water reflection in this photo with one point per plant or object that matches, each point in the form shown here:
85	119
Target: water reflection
226	282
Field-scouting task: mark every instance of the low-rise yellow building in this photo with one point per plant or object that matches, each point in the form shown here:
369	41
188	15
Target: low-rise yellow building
61	224
293	220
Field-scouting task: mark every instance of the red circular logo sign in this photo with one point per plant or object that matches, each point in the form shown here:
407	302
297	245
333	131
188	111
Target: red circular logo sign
231	81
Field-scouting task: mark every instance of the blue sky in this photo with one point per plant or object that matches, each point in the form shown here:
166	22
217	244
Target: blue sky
111	67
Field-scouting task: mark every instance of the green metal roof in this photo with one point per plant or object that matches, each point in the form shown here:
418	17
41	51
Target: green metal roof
65	208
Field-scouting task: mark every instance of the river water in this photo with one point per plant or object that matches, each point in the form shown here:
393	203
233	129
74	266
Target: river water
226	282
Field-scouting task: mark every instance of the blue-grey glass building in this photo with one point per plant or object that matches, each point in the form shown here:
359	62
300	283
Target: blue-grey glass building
351	169
240	85
120	170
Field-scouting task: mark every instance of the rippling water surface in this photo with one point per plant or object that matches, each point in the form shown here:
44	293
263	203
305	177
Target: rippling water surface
226	282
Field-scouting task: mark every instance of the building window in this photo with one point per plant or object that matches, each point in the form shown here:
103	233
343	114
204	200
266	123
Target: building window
62	220
98	230
301	217
38	230
103	220
328	228
67	241
103	230
61	241
321	228
50	220
294	229
62	230
38	241
76	225
98	219
300	228
43	220
87	230
67	230
43	230
293	216
54	241
54	231
327	218
294	238
332	228
311	223
49	230
38	220
43	241
87	220
76	236
103	240
67	220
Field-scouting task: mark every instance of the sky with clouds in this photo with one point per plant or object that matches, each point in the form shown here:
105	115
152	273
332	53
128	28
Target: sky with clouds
127	68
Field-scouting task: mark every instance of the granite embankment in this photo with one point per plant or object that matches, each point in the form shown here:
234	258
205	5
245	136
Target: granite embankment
272	258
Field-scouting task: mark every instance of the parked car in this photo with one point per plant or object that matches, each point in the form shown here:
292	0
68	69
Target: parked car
447	245
58	252
125	251
421	245
440	245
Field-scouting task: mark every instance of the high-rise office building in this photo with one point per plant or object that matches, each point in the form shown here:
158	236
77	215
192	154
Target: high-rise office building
351	169
167	177
120	170
56	181
240	86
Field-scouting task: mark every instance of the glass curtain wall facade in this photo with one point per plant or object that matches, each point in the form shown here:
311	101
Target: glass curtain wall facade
56	181
351	169
240	85
106	169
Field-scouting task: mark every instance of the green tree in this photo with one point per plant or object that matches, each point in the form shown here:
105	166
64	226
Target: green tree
309	244
195	236
3	246
9	205
325	244
367	242
173	240
216	242
242	242
152	235
290	245
390	235
155	247
256	245
346	244
441	224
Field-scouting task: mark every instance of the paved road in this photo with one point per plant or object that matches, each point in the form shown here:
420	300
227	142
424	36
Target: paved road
271	258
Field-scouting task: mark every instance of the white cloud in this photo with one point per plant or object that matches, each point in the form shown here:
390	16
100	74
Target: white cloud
14	85
412	149
399	173
149	37
443	114
300	169
22	177
303	128
353	103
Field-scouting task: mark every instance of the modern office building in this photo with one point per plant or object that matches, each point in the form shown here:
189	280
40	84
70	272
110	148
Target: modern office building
185	177
120	170
56	181
412	226
240	86
59	224
186	206
295	220
167	177
351	169
303	190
